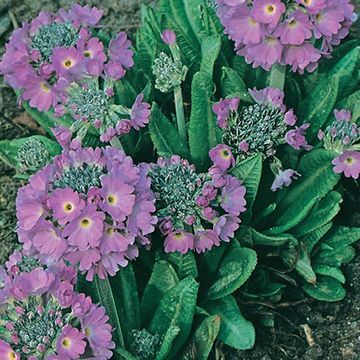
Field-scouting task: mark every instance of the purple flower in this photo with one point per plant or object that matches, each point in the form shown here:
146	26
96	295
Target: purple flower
296	138
83	15
7	352
284	178
348	163
63	135
205	240
180	241
313	5
168	37
140	113
267	11
71	343
119	50
269	95
222	157
233	196
223	108
342	115
290	118
66	60
39	93
114	70
226	226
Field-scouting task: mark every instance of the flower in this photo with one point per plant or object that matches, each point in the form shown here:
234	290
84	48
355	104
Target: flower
284	178
222	157
168	37
269	32
66	61
190	204
68	209
257	128
37	320
348	163
226	226
120	52
140	113
296	137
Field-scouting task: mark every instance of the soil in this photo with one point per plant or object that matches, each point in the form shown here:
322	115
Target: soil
308	331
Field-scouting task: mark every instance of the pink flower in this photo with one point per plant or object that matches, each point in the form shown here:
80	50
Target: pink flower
66	205
63	135
71	343
168	37
6	352
226	226
223	108
222	157
180	241
348	163
268	11
284	178
205	240
290	118
296	138
83	15
118	197
342	115
87	229
120	52
114	70
269	95
66	60
140	113
233	196
39	93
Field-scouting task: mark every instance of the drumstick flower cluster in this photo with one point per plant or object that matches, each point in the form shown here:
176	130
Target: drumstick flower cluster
91	207
343	137
57	62
296	32
261	127
43	317
196	211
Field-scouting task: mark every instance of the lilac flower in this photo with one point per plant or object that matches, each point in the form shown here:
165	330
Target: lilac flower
296	138
223	109
66	60
269	32
222	157
68	208
342	115
140	113
63	323
82	15
284	178
119	51
168	37
180	241
189	205
348	163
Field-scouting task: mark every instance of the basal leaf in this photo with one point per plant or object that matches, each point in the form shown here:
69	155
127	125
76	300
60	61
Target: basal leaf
184	264
330	271
235	269
176	309
326	289
210	49
335	258
317	179
233	85
203	131
342	236
235	330
167	342
165	137
312	238
249	172
162	280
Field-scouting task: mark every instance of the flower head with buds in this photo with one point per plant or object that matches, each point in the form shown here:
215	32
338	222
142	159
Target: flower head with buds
92	207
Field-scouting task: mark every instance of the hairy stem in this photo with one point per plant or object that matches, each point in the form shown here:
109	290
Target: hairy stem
180	116
277	76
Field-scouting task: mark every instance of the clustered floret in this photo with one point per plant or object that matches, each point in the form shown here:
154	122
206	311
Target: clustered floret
196	211
293	32
43	317
261	127
92	207
56	62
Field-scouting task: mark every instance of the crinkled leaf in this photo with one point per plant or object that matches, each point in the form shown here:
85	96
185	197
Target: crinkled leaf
235	269
312	238
233	85
235	330
342	236
330	271
184	264
336	258
167	342
326	289
210	49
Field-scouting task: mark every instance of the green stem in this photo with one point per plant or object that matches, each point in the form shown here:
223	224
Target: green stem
277	76
115	142
180	116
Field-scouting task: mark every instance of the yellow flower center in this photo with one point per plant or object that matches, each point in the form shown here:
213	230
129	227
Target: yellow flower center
44	87
112	199
179	236
225	154
68	207
270	40
270	9
318	17
87	53
292	23
252	22
87	332
66	343
11	355
68	63
307	2
349	160
110	231
85	223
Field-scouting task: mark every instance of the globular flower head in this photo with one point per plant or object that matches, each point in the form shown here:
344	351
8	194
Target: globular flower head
189	204
44	318
342	134
348	163
68	208
257	128
270	32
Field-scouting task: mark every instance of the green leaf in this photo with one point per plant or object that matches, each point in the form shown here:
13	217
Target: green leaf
349	102
123	354
336	258
9	148
203	131
210	260
235	270
342	236
184	264
326	289
203	340
168	340
126	296
177	308
330	271
318	105
312	239
235	330
233	85
162	280
322	213
249	172
165	137
210	50
317	179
